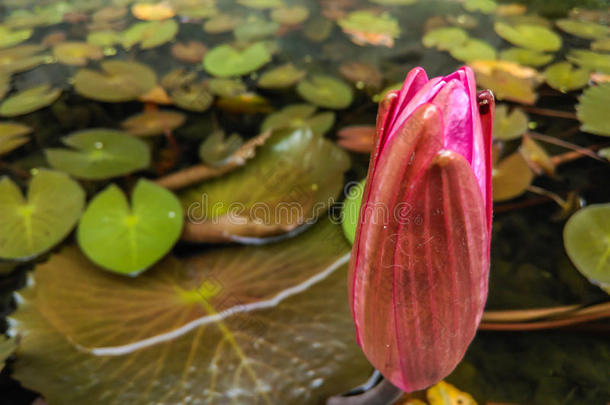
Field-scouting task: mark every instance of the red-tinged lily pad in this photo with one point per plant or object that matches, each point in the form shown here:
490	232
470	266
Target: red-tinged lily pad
564	77
226	60
12	136
32	224
29	100
509	81
586	237
154	122
77	53
368	28
190	52
149	34
326	91
509	126
592	110
281	77
292	180
534	37
599	62
118	81
99	154
217	148
583	29
7	347
21	58
357	138
300	116
248	325
511	177
129	238
526	57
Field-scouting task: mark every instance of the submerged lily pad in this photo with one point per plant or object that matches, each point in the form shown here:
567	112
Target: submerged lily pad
290	15
193	97
221	23
207	321
473	49
154	122
255	29
586	237
226	60
99	154
483	6
150	34
583	29
291	181
368	28
596	61
564	77
445	38
511	177
12	136
592	110
526	57
33	224
394	2
9	37
217	147
128	239
118	81
20	58
508	80
226	87
534	37
362	74
29	100
245	103
281	77
508	126
77	53
326	91
351	211
299	116
190	52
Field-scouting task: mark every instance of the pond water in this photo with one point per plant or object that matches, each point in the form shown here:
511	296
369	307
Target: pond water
187	100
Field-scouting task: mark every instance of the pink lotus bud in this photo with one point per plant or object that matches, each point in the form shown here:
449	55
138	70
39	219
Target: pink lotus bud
420	260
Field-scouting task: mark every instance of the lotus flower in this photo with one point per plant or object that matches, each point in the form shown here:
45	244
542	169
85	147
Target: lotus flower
420	261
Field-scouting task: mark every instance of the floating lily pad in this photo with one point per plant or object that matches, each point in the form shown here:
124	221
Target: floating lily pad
586	237
368	28
9	37
394	2
592	110
534	37
118	81
12	136
33	224
227	61
190	52
7	347
226	87
221	23
20	58
299	116
294	177
156	95
154	122
362	74
281	77
178	78
99	154
526	57
508	126
326	91
564	77
261	4
77	53
602	45
511	177
351	210
255	29
445	38
110	13
483	6
536	156
245	103
5	84
473	49
129	238
194	97
104	38
290	15
599	62
583	29
152	11
217	147
29	100
198	11
150	34
206	321
508	80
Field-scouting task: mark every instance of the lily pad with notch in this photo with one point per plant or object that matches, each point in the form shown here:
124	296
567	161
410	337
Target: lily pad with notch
218	147
300	116
526	57
149	34
29	100
509	126
473	49
583	29
326	91
528	36
564	77
226	60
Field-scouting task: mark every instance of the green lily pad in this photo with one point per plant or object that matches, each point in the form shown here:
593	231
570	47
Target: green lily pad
255	29
509	126
12	136
602	45
534	37
5	85
226	60
154	122
221	23
299	116
564	77
9	37
129	239
473	49
326	91
291	181
149	34
445	38
194	97
599	62
351	210
29	100
104	38
290	15
281	77
526	57
118	81
583	29
20	58
261	4
511	177
77	53
7	347
217	147
592	110
483	6
226	87
199	12
367	28
263	325
34	224
318	29
394	2
586	237
99	154
508	80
